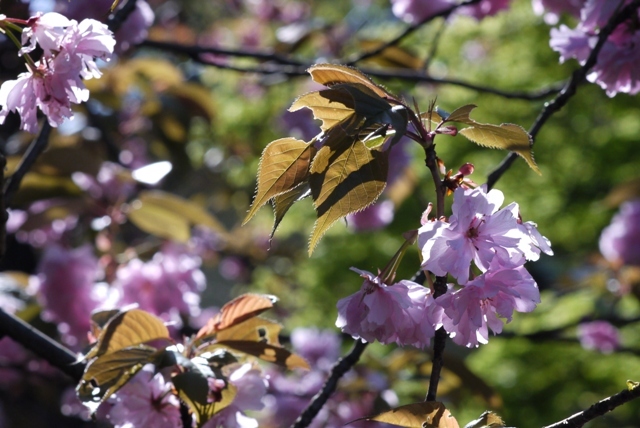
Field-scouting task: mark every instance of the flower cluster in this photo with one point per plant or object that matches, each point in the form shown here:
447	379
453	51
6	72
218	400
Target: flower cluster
415	11
495	240
54	82
616	69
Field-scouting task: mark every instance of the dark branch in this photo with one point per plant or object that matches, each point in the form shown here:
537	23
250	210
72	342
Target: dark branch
40	344
409	30
338	370
598	409
35	149
439	343
569	90
118	18
276	64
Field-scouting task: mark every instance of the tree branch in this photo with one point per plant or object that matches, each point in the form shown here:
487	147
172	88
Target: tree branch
569	90
35	149
337	371
598	409
118	17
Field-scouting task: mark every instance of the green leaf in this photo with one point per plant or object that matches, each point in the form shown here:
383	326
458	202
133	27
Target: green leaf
345	178
332	74
506	136
283	202
170	216
284	165
126	329
329	105
266	352
427	414
486	420
193	388
106	374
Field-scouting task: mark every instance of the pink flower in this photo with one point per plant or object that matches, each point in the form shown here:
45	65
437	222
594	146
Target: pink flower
66	291
251	387
415	11
576	43
620	241
485	8
386	313
552	9
320	348
374	217
476	229
145	402
599	335
46	30
617	68
168	285
481	304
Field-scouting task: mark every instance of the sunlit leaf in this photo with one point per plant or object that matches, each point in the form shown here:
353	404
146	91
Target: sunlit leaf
329	105
345	178
106	374
506	136
194	213
255	329
236	311
284	165
266	352
392	56
283	202
427	414
332	74
486	420
126	329
193	389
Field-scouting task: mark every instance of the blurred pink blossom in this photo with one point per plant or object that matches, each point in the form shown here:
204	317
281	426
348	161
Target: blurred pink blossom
553	9
620	241
145	401
65	287
599	335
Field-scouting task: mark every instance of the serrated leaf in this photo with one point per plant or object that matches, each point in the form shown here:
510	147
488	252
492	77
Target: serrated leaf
236	311
283	202
506	136
345	178
427	414
487	420
191	211
266	352
332	74
126	329
103	376
329	105
255	329
193	389
284	165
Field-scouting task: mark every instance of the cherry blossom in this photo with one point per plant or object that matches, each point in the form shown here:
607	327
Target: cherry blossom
386	313
599	335
481	304
474	232
46	30
620	241
145	402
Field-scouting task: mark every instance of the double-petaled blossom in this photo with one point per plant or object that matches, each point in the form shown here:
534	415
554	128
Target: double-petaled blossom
54	82
145	402
469	312
475	231
616	69
387	313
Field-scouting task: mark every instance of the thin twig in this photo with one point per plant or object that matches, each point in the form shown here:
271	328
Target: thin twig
569	90
598	409
409	30
337	371
275	64
33	152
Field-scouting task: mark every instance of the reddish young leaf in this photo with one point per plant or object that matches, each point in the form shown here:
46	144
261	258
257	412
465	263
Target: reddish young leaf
427	414
236	311
333	74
